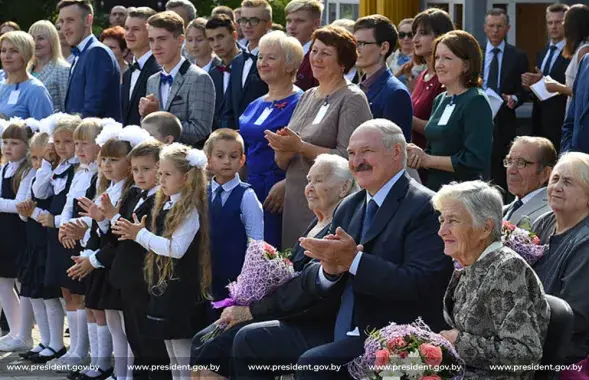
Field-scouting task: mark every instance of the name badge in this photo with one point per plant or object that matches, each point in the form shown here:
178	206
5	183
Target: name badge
446	115
262	118
321	114
13	98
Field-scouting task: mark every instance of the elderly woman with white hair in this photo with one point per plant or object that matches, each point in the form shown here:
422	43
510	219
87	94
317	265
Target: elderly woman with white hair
328	182
495	304
21	95
48	64
564	268
278	61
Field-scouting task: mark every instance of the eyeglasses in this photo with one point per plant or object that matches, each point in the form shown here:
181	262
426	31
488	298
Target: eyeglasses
253	21
402	35
361	44
520	163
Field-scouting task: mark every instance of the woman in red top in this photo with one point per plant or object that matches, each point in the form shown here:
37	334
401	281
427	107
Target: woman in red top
427	26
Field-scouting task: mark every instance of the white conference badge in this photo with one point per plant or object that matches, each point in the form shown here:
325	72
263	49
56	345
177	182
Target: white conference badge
264	115
321	113
13	98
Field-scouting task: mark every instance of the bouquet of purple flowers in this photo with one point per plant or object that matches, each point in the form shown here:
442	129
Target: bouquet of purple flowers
407	352
524	242
264	269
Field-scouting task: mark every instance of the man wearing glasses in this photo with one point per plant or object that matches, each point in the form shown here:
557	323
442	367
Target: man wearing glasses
245	84
528	165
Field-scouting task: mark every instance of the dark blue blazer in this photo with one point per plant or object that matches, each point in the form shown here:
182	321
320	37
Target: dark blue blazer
237	97
389	99
217	78
130	104
575	130
94	85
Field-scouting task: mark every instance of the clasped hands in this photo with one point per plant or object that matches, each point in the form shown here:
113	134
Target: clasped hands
416	157
335	252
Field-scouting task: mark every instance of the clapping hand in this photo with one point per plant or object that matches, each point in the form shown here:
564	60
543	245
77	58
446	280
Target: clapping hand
284	140
336	252
127	230
46	220
80	269
552	85
529	79
148	105
107	208
91	209
74	230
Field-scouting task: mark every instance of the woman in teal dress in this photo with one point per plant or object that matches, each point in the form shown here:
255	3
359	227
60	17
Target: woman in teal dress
278	62
459	132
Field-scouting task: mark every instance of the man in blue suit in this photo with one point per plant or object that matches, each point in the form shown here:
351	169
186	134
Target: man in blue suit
383	258
94	83
245	84
575	131
388	98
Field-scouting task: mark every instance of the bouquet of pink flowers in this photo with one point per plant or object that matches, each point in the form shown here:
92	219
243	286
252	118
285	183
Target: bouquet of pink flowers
413	351
524	242
264	269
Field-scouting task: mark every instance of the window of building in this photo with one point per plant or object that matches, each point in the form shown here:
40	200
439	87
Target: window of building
337	9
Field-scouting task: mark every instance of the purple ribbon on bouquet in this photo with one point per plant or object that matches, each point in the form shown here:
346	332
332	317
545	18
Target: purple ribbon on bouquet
223	303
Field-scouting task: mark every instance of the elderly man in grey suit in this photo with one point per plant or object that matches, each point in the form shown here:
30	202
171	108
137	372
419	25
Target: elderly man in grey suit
528	164
180	87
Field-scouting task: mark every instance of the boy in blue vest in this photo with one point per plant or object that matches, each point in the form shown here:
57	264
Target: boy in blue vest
235	213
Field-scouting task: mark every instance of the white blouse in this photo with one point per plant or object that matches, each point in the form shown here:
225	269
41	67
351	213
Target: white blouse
24	188
80	184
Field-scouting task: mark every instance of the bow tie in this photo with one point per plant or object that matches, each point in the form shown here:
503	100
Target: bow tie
144	194
135	66
224	69
249	55
166	79
75	51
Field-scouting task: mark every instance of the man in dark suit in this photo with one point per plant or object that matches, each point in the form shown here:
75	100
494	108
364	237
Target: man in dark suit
383	251
245	83
180	88
389	99
547	116
303	18
503	65
222	36
94	83
144	65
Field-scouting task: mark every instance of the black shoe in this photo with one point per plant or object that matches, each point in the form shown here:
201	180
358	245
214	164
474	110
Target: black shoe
44	359
103	375
66	333
29	354
73	375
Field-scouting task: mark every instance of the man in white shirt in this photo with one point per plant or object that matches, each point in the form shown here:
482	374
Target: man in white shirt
528	164
144	65
303	18
180	88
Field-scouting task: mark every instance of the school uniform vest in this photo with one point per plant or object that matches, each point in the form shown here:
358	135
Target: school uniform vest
12	233
228	240
176	310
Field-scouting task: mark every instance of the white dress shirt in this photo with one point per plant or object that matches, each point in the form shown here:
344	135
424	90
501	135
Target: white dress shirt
44	186
306	47
489	58
136	73
80	183
152	191
24	188
247	65
207	67
181	239
559	46
351	74
252	214
165	88
115	193
379	198
81	46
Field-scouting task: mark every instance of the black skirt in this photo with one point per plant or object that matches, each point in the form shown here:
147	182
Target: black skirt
59	260
100	294
32	274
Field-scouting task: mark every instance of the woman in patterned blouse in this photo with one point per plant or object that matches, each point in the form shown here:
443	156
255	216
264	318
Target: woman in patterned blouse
495	304
48	64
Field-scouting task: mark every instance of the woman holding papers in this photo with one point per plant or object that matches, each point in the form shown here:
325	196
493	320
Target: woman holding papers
459	133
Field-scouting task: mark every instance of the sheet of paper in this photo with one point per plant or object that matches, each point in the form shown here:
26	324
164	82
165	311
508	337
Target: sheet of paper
539	89
495	100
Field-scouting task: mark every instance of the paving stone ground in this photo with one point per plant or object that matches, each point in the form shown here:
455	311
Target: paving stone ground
12	358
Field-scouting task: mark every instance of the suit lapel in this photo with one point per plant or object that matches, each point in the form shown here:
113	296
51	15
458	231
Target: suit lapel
534	204
178	81
141	207
145	73
253	71
388	209
125	93
377	86
355	229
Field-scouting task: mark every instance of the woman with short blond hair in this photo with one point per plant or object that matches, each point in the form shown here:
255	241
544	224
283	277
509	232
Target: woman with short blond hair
21	95
48	64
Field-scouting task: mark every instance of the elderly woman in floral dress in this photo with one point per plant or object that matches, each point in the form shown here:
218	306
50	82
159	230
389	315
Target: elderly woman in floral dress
495	304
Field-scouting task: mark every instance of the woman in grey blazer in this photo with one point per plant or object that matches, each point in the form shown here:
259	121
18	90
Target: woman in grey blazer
48	64
495	304
564	268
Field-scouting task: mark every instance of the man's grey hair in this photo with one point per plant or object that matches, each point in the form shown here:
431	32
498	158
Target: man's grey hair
482	201
391	133
338	168
190	8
